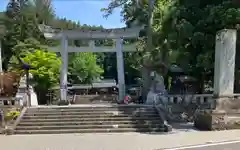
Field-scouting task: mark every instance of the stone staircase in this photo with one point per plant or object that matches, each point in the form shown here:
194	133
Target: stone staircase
90	119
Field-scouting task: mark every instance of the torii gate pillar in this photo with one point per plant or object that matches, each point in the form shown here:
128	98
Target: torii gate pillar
120	69
64	69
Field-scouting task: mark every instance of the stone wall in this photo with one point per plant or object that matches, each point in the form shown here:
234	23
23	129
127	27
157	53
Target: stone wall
205	110
183	107
226	114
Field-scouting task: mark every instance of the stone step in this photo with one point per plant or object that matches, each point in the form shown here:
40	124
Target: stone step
115	126
95	106
94	122
90	119
37	119
86	113
90	108
119	130
87	116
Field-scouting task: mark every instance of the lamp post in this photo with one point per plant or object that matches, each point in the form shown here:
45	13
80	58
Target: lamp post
26	68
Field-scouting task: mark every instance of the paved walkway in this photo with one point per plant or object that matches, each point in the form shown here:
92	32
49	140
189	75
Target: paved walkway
126	141
230	145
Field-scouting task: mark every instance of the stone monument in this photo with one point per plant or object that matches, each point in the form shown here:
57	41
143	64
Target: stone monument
225	114
157	89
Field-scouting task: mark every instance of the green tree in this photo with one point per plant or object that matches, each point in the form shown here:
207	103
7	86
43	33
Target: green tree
46	65
28	45
140	12
45	73
193	34
20	23
44	11
83	68
12	31
184	31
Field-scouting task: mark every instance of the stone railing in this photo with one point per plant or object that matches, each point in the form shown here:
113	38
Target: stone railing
10	101
185	99
183	107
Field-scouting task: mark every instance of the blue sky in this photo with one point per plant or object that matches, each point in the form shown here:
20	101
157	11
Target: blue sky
84	11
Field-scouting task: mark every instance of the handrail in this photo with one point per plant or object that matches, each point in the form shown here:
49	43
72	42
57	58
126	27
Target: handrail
162	114
10	125
74	98
19	118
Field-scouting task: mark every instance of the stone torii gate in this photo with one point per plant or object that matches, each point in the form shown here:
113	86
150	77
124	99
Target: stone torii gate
81	34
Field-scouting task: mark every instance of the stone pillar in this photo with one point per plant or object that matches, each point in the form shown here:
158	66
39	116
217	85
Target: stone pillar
64	70
224	68
220	117
120	69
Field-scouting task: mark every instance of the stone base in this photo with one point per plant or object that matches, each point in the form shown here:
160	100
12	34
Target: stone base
217	120
62	102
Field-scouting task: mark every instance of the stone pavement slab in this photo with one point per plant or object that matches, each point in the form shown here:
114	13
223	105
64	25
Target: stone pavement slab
230	145
114	141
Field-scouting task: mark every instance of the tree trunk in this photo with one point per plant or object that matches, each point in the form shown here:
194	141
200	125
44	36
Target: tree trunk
42	95
145	71
146	82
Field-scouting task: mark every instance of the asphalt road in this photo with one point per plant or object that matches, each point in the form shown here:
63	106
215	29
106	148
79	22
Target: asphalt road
234	145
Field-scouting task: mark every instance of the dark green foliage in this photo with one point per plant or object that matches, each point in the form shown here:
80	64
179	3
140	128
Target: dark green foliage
184	30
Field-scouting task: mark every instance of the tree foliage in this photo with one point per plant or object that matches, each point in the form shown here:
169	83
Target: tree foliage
46	64
193	34
46	67
184	30
83	68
